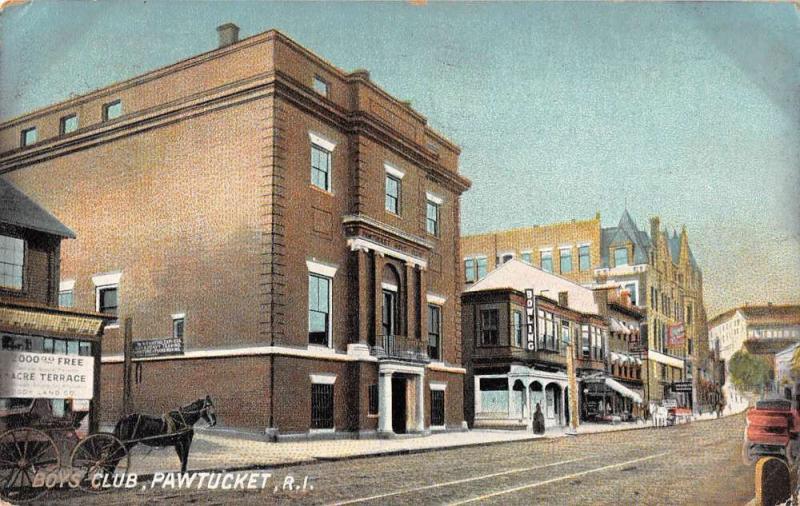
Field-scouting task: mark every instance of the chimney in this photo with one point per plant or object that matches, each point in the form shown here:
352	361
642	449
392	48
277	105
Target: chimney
563	299
228	34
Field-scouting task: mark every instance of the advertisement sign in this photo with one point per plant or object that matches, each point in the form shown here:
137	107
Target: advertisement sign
158	347
682	386
530	312
676	335
51	376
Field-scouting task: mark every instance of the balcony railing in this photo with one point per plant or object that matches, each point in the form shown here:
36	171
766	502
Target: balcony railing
401	348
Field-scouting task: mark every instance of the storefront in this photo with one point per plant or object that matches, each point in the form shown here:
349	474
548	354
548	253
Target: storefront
607	400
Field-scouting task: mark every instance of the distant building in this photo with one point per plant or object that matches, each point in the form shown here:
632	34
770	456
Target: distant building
291	225
657	269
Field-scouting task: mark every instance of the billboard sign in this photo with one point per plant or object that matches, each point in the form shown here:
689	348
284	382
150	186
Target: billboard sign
46	375
676	335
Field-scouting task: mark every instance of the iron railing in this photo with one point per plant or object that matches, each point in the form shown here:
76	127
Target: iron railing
400	347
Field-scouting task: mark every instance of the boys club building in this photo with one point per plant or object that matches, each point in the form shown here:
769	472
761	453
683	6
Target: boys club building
280	234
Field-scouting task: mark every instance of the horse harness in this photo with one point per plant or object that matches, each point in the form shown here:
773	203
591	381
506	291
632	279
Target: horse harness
169	424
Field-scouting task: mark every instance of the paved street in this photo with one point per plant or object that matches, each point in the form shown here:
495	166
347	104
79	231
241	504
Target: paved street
696	463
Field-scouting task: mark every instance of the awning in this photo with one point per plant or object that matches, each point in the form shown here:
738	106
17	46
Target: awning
623	390
618	327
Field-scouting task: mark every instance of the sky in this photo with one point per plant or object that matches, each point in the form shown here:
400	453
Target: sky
689	111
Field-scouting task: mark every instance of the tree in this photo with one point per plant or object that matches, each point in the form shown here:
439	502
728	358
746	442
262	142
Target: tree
749	372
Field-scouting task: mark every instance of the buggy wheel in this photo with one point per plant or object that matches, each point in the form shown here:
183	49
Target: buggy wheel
24	454
100	458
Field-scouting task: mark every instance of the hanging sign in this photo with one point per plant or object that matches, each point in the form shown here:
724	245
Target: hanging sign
530	312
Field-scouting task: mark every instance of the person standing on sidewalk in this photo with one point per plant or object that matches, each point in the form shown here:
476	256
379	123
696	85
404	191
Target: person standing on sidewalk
538	420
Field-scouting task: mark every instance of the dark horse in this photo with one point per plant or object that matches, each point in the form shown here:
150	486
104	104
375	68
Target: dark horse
175	428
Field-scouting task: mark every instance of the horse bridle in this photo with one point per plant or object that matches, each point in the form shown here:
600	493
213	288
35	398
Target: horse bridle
204	410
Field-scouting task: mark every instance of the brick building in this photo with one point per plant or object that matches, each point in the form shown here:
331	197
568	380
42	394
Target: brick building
292	225
658	270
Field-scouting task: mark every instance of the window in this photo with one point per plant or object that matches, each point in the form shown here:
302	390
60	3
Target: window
689	315
620	256
69	124
85	348
631	289
505	258
565	332
547	338
66	298
494	395
526	257
546	260
489	334
319	315
392	194
112	110
320	167
320	86
585	344
565	260
482	266
437	408
12	261
28	137
432	218
517	328
434	332
321	406
178	324
584	263
373	406
108	300
469	270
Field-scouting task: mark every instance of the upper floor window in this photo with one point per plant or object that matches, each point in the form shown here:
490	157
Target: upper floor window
504	258
108	300
584	261
689	315
434	332
28	137
489	326
112	110
319	313
321	86
620	256
392	194
320	167
565	260
631	289
66	298
474	269
12	261
432	218
69	124
526	257
178	325
546	260
517	328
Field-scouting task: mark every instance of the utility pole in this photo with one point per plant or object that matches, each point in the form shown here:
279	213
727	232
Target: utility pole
127	401
572	379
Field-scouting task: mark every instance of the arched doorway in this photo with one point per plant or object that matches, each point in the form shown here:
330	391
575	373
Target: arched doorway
537	397
552	413
519	398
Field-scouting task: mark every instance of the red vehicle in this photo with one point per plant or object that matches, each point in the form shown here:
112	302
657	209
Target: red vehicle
773	429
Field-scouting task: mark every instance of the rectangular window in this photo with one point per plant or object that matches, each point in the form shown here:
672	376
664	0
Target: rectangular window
112	110
631	289
437	408
565	333
546	260
482	266
526	257
321	406
489	333
108	301
66	298
517	328
584	262
320	167
621	256
494	395
392	194
177	327
434	332
12	261
319	315
28	137
565	259
320	86
432	218
469	270
585	344
373	400
689	314
69	124
85	348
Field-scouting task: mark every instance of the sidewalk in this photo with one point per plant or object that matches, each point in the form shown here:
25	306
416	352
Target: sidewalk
214	449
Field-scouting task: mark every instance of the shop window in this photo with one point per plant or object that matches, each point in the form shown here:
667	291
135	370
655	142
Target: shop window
494	395
374	407
85	349
321	406
12	262
437	408
489	326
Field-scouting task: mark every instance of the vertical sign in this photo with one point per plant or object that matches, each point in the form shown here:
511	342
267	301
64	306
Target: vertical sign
530	312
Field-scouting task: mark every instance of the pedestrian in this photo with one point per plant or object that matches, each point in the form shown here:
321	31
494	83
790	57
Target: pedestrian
538	420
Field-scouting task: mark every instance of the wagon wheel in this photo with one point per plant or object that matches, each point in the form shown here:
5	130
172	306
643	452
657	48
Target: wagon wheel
25	452
99	458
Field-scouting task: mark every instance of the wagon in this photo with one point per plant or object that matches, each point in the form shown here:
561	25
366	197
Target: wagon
39	452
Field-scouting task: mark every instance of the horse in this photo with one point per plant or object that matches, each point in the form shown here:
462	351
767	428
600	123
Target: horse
175	428
658	414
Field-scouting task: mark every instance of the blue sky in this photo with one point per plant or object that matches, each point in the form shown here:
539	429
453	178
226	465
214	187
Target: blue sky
689	111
